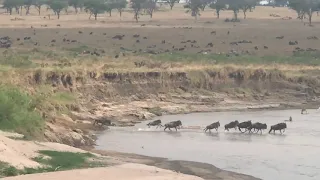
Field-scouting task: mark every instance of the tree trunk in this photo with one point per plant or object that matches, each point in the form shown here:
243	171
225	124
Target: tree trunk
218	14
171	6
244	15
76	9
151	13
110	13
136	16
20	10
120	12
27	10
10	11
310	18
39	10
95	16
58	13
235	14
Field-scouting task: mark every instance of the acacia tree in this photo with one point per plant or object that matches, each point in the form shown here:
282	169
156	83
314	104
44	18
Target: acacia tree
194	6
172	2
150	6
204	3
120	5
57	6
235	7
218	5
247	5
137	6
76	4
95	7
27	4
38	4
305	7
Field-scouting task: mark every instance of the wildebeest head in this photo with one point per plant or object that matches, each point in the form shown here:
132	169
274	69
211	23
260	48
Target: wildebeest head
218	123
179	123
236	122
264	126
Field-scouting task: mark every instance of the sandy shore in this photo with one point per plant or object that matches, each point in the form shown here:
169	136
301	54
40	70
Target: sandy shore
130	171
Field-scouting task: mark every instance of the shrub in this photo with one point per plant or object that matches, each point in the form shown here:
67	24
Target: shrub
17	113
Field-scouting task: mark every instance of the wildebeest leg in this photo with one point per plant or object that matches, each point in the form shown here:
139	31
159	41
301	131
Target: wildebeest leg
284	130
165	128
216	129
170	129
176	128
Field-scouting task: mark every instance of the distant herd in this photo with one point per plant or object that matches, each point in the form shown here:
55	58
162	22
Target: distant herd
246	126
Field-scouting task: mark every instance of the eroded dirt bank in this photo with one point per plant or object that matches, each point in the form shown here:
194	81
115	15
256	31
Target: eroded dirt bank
130	97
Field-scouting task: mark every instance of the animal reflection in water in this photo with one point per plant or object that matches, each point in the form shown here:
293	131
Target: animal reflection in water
215	126
173	124
156	123
278	127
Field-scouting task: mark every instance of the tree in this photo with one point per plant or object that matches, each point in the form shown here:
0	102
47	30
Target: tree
120	5
150	6
38	4
304	7
137	6
76	4
194	7
57	6
235	6
204	3
247	5
27	5
218	5
10	4
95	7
172	2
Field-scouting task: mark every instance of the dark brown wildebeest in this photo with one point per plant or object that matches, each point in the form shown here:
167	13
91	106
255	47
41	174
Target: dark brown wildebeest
173	124
215	125
304	110
232	124
155	123
278	127
258	127
244	125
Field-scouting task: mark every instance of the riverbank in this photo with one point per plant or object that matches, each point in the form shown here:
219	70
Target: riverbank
20	157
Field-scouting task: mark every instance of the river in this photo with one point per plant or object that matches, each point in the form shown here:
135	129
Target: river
295	155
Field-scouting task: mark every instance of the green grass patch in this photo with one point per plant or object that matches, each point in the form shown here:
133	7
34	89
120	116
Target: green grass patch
306	58
17	113
53	161
7	170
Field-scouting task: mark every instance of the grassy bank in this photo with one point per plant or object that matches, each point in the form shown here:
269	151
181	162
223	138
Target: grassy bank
53	161
18	112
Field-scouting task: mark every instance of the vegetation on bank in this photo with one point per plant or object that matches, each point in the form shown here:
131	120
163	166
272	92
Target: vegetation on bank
18	112
53	161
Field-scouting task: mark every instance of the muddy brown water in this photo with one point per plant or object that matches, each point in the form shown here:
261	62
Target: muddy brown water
295	155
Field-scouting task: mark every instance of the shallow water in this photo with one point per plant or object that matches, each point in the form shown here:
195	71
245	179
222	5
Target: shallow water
295	155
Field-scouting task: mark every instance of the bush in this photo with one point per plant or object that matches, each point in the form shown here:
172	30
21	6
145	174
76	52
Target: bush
17	113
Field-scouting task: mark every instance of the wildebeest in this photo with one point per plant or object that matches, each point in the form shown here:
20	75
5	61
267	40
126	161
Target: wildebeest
155	123
258	127
290	119
244	125
232	124
173	124
215	125
304	110
103	121
278	127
